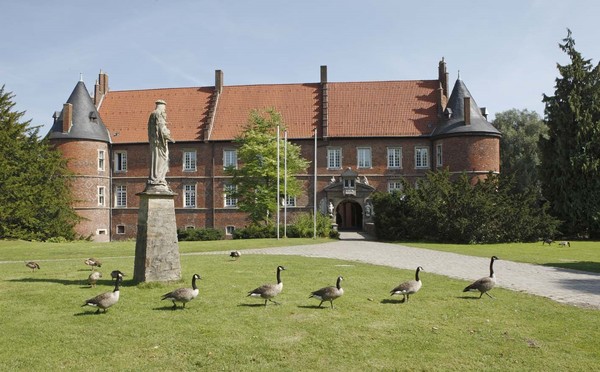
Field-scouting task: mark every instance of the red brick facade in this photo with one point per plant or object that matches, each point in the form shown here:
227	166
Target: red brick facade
387	122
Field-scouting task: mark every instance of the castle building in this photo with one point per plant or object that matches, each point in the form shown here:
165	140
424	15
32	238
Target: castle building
369	135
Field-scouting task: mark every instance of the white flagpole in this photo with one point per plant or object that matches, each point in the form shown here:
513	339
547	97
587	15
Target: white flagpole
277	182
315	192
285	183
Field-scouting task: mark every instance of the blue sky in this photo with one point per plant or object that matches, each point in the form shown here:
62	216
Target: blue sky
506	51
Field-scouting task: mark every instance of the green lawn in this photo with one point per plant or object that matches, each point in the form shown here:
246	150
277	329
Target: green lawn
581	255
44	326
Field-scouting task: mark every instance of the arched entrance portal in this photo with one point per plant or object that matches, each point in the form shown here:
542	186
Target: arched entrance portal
348	216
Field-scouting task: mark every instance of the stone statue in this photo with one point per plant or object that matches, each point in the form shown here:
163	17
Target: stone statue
365	180
159	136
330	208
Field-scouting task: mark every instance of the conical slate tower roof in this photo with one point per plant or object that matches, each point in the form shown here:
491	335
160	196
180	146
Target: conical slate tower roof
86	122
453	122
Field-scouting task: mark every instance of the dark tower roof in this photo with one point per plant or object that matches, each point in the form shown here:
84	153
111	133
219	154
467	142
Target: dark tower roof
453	121
86	122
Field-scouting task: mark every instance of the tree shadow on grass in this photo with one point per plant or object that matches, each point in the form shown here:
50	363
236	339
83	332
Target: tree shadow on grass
588	266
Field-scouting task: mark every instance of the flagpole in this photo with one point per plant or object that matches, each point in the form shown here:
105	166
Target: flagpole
285	183
278	182
315	191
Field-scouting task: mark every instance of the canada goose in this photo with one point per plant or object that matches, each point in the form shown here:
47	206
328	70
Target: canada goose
268	291
115	274
409	287
329	293
486	283
93	262
235	255
547	241
94	277
32	265
105	300
183	295
565	244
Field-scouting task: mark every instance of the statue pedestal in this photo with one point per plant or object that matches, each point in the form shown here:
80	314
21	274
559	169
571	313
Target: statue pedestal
156	247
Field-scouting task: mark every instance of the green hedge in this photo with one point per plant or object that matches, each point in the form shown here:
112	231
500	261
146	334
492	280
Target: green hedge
201	234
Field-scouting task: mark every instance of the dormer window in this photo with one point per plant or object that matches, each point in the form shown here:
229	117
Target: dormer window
448	113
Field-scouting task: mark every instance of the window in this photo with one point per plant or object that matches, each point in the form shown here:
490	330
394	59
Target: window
101	232
334	158
121	196
230	201
121	161
189	196
421	157
101	195
394	156
363	155
101	154
395	186
438	154
230	158
290	201
189	161
120	229
229	230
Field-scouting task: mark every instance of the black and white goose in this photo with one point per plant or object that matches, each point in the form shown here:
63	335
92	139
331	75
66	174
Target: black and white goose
269	291
484	284
105	300
115	274
32	265
235	255
329	293
93	262
410	287
183	295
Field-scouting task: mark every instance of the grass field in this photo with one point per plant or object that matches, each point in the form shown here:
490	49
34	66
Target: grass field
44	326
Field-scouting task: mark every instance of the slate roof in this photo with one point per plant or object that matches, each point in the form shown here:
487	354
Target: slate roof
455	124
86	123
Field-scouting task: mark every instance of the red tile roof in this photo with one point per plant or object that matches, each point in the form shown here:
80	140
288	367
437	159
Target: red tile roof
386	108
125	113
356	109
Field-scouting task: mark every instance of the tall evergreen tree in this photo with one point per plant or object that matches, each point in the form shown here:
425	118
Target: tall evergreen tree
570	170
256	179
35	198
519	150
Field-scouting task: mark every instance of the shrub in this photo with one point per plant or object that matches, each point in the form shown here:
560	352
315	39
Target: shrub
202	234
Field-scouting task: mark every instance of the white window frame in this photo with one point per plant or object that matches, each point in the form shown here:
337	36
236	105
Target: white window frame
363	157
189	195
101	232
421	157
394	157
101	196
395	185
120	196
438	155
228	201
189	161
290	201
101	160
334	158
121	161
120	230
230	158
229	229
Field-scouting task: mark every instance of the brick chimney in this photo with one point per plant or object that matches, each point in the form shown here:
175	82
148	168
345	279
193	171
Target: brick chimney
467	101
324	102
443	77
67	117
219	81
101	88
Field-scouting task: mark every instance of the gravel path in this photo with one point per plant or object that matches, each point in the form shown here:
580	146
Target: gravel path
567	286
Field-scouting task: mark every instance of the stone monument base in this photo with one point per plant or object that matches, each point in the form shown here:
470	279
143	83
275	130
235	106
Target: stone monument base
156	247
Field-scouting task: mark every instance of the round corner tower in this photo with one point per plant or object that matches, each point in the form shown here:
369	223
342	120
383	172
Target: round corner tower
79	133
